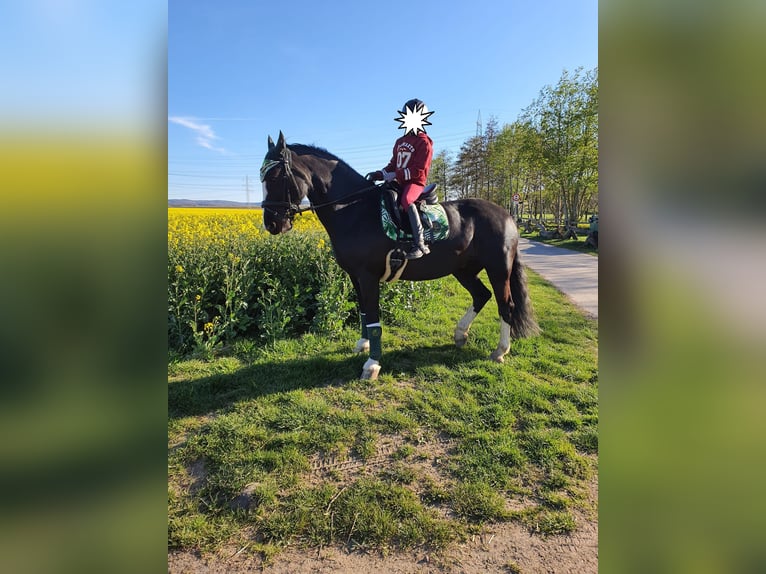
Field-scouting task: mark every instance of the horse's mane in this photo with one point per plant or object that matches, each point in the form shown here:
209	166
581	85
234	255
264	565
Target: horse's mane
302	149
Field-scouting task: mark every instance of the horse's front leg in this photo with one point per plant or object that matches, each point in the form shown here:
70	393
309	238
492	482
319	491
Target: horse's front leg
369	301
363	344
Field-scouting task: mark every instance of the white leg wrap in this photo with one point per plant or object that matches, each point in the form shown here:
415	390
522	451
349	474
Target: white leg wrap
461	331
362	346
505	343
370	370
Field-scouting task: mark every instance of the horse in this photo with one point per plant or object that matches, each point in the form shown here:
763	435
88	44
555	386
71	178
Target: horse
482	236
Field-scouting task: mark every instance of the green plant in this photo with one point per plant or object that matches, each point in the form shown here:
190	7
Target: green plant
478	502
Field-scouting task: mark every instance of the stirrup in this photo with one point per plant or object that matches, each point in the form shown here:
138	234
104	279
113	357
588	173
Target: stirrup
417	252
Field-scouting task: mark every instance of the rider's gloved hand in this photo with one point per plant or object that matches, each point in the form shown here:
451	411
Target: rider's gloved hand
374	176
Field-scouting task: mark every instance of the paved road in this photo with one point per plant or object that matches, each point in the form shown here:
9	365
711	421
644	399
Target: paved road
574	274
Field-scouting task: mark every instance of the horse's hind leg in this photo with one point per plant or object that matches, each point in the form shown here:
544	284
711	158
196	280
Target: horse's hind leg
501	285
498	355
480	295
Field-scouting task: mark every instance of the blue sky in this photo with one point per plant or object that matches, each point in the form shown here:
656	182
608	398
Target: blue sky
82	65
335	73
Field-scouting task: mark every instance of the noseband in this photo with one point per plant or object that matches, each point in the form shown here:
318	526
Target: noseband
291	208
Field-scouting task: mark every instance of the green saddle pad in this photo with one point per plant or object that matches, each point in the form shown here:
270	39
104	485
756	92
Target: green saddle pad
435	229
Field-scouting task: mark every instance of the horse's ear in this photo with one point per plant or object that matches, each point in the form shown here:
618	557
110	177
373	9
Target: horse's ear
271	144
281	141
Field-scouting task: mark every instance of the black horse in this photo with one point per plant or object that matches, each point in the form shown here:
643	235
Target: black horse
482	235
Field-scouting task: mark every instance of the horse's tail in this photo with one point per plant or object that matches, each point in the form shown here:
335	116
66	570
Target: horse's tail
523	322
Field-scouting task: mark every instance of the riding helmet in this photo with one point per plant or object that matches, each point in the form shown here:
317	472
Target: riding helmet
413	104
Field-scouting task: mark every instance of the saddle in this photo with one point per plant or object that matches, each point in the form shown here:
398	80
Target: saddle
390	195
396	224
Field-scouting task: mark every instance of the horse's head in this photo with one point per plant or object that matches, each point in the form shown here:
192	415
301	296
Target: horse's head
281	191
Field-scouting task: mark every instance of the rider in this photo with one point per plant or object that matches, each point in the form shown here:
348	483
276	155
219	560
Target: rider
409	166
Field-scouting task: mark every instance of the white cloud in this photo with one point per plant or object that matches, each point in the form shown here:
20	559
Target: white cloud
204	133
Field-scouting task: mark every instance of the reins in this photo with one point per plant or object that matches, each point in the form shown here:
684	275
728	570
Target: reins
340	199
291	208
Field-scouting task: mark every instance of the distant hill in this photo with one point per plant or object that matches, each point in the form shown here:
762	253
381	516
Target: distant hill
211	203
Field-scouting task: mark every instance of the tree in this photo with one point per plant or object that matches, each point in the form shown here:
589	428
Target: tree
566	118
472	173
549	155
513	157
490	180
440	173
469	168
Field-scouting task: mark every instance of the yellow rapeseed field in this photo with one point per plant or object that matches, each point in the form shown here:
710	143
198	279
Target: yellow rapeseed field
228	276
219	225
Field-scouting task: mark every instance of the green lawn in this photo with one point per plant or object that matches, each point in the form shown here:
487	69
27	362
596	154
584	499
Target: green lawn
283	444
573	244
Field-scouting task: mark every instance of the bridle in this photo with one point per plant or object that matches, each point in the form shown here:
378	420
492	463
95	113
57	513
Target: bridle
292	208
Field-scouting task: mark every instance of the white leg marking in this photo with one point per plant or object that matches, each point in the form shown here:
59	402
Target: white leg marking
461	331
362	346
505	343
370	370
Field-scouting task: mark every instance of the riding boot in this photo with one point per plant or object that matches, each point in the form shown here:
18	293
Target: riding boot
419	247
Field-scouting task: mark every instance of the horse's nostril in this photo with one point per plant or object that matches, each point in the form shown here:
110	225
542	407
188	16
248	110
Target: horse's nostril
272	227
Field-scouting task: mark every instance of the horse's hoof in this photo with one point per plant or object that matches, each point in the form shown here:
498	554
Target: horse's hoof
370	374
460	339
497	357
362	346
370	370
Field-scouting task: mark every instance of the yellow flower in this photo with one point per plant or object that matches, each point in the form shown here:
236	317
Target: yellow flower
180	269
198	298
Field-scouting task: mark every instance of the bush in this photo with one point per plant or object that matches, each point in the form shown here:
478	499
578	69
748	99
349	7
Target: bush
228	279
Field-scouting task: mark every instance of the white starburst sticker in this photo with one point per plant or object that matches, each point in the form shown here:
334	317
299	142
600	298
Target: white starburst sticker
414	119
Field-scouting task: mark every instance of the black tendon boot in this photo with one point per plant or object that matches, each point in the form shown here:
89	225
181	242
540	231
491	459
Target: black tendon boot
419	247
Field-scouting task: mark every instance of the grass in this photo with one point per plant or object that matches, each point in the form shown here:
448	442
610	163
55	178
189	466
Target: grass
281	444
572	244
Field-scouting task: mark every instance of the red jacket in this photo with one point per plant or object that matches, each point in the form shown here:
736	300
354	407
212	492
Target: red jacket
411	159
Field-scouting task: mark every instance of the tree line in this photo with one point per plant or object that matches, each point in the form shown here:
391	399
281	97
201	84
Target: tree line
548	156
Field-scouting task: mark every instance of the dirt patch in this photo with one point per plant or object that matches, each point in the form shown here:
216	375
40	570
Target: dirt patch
350	466
507	547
